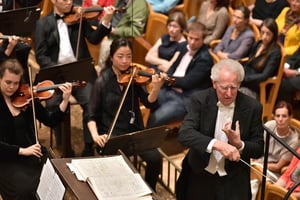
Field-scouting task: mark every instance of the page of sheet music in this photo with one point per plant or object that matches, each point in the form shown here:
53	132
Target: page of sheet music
50	186
129	186
104	166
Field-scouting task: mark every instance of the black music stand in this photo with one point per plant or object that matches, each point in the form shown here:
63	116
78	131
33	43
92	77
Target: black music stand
19	22
136	142
81	70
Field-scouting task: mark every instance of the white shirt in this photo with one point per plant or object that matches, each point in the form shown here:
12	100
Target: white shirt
217	160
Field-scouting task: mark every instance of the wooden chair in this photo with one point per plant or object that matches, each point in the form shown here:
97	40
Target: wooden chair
269	90
155	28
189	8
46	7
276	192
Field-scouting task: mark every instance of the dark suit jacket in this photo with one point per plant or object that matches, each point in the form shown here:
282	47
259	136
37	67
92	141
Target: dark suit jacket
46	39
198	130
198	72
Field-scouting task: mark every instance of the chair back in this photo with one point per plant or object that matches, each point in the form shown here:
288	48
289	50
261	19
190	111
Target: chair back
156	26
46	7
276	192
269	89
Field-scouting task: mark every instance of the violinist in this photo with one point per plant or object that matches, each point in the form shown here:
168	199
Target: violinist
57	42
12	48
124	24
105	99
21	156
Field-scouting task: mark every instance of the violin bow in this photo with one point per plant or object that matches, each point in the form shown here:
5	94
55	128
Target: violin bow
32	104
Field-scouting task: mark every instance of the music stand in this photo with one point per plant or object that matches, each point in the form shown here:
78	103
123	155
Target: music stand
20	22
81	70
136	142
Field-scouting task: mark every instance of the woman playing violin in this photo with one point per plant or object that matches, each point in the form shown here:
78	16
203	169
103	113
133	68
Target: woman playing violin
105	99
21	156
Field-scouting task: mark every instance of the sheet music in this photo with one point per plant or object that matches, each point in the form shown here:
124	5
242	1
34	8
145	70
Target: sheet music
50	186
130	186
111	178
99	167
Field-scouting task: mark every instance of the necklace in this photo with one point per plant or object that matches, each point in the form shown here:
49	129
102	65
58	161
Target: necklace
284	135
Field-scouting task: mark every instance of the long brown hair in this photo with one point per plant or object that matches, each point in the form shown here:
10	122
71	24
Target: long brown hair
272	26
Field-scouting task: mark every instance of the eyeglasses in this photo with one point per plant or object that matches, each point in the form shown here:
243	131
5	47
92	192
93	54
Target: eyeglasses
228	87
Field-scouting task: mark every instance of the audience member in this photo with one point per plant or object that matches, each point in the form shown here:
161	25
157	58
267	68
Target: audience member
125	24
264	59
288	22
291	78
56	43
165	51
214	15
105	100
279	156
191	71
21	156
221	127
291	176
163	6
262	9
238	37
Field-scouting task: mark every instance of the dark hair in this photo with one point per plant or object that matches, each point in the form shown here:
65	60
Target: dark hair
13	66
177	16
283	104
270	23
245	10
222	3
115	45
197	27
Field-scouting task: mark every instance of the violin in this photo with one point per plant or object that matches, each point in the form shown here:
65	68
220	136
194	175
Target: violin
86	14
142	76
27	40
43	91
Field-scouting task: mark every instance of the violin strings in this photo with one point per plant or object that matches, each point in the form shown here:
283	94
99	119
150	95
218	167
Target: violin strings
257	171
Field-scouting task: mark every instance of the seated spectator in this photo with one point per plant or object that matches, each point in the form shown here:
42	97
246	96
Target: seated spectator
191	71
163	6
238	37
162	55
262	9
124	24
288	22
291	176
214	15
264	59
291	78
279	156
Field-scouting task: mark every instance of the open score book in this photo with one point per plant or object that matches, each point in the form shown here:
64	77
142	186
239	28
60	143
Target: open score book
110	178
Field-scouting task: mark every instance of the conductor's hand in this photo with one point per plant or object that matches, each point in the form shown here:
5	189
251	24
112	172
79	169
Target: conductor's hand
233	136
227	150
100	139
34	150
